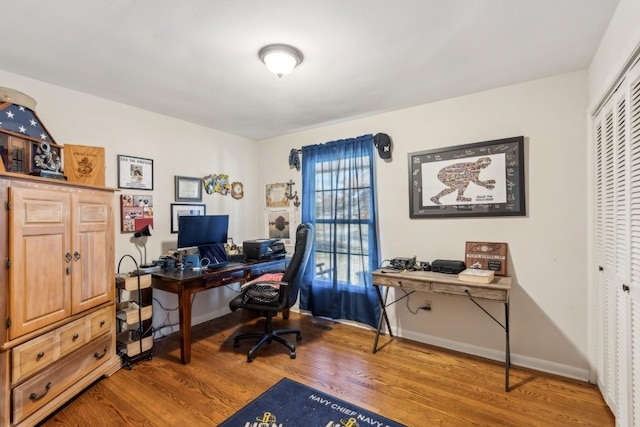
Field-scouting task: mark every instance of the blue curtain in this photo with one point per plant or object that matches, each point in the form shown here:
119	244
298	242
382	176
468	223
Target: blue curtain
338	198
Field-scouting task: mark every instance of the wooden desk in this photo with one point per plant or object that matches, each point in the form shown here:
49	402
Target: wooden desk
186	283
447	284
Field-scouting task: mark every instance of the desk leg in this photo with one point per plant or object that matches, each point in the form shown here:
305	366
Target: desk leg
507	362
383	315
185	326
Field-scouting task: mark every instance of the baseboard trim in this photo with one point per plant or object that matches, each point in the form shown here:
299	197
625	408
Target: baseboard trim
498	355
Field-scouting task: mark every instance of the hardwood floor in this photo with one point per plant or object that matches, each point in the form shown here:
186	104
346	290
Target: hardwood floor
412	383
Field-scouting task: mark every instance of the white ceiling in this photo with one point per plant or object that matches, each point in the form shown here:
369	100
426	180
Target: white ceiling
197	60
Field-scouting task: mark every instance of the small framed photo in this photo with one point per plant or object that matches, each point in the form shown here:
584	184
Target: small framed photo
135	172
188	189
178	210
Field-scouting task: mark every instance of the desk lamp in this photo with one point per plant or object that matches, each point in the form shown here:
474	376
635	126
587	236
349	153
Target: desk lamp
144	232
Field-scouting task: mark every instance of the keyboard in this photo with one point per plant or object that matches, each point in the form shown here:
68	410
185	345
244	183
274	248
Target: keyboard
223	264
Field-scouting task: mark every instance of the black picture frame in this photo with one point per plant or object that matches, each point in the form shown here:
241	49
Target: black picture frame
188	189
180	209
135	172
473	180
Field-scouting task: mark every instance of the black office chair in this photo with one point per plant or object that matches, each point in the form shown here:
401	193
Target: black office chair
287	296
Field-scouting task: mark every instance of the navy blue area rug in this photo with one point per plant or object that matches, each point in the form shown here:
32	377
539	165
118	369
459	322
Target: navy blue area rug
291	404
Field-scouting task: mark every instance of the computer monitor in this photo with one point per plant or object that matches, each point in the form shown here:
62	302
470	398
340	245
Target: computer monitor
196	231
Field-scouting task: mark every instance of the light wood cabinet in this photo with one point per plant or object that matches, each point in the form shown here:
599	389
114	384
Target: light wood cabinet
57	297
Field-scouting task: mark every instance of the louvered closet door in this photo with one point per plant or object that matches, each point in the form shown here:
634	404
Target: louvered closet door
633	315
599	252
612	246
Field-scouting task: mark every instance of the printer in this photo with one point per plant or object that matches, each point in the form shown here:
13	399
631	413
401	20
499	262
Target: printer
264	249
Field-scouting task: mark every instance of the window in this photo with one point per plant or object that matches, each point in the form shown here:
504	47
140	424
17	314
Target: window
339	200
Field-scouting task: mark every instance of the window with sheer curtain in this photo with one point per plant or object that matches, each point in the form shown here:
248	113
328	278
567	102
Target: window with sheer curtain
338	198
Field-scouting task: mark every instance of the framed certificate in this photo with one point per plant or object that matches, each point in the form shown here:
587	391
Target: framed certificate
188	189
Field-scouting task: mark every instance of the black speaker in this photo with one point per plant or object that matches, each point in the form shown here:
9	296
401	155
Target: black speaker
447	266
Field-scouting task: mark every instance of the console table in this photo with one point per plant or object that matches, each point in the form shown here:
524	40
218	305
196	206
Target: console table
448	284
188	282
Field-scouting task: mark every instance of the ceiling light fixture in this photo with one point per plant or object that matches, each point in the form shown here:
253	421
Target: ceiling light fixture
280	59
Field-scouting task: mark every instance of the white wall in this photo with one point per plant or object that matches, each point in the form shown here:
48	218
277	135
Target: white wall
618	43
176	147
547	248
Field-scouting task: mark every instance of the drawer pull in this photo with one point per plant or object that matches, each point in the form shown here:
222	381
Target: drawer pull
75	337
102	322
76	255
34	397
40	355
100	356
67	256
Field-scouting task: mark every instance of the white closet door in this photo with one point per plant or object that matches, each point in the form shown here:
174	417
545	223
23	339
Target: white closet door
612	246
610	315
599	253
621	227
632	319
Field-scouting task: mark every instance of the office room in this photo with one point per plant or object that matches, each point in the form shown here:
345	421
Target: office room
570	342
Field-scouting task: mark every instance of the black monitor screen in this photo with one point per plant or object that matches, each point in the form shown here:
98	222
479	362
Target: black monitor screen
202	230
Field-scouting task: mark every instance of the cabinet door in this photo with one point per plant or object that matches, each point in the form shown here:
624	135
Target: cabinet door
92	250
39	242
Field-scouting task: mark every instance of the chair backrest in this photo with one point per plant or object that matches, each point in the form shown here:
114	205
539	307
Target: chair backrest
297	265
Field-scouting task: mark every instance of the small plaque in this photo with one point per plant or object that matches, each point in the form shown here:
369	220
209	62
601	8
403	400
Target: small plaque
487	256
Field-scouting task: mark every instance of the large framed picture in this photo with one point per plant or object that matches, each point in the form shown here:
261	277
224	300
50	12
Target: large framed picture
479	179
178	210
188	189
135	172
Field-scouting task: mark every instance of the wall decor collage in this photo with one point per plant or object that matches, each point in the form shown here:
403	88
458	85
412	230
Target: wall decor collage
136	173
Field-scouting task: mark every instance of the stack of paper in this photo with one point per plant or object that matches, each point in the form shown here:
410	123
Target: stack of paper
476	275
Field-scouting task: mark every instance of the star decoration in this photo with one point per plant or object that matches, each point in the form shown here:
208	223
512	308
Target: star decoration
33	123
43	137
10	114
21	108
22	129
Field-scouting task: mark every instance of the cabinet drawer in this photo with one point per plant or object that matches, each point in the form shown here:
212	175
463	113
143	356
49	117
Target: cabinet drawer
33	356
40	352
41	389
472	291
405	283
100	321
223	278
73	336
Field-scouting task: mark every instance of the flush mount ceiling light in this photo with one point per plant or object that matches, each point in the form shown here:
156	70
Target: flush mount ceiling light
280	59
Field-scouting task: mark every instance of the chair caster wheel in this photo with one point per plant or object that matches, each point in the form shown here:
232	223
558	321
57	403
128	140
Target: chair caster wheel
292	355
